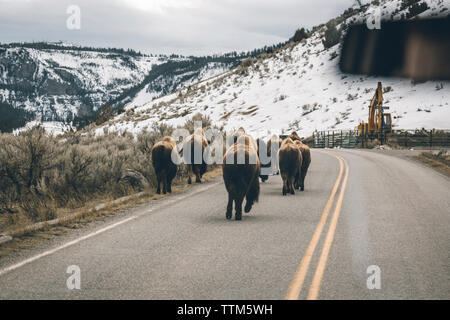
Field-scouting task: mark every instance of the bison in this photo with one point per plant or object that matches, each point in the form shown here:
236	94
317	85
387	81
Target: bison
290	159
164	167
241	180
195	143
306	161
294	136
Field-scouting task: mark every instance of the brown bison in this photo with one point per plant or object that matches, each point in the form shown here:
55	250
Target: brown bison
294	136
241	179
290	158
164	167
306	161
240	133
193	150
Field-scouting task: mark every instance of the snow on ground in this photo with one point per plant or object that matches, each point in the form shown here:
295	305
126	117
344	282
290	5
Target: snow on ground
100	75
299	88
145	96
52	127
97	70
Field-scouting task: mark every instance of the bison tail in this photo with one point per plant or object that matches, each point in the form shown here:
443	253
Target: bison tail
253	191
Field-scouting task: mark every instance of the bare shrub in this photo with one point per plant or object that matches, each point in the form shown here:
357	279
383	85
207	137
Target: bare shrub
40	173
205	120
38	208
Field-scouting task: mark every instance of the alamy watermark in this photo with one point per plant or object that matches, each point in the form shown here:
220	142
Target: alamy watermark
374	19
218	143
74	280
374	279
73	22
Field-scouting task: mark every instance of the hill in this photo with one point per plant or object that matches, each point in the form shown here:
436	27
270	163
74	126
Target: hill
299	87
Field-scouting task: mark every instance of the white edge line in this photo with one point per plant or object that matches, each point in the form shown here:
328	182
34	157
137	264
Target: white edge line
68	244
112	226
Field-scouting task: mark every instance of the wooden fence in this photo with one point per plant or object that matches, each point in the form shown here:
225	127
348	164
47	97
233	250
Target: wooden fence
413	138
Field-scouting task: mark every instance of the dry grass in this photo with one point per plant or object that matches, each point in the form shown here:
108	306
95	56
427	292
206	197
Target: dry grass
43	177
439	161
87	215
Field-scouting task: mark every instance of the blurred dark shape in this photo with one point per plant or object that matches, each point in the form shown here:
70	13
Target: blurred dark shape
418	49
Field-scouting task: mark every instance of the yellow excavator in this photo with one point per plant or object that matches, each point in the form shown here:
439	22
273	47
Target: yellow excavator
379	125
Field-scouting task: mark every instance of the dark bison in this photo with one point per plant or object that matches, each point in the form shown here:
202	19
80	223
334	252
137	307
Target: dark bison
164	167
290	159
241	180
196	164
306	161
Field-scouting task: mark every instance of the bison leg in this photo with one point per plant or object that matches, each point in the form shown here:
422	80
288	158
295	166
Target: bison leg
164	181
229	207
158	179
198	177
169	186
291	185
172	172
302	179
238	204
158	189
297	181
203	170
252	194
248	206
189	171
285	184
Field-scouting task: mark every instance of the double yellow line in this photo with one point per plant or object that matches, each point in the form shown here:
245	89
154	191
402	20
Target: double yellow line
296	285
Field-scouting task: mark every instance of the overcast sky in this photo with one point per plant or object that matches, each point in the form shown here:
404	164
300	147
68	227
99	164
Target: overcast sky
166	26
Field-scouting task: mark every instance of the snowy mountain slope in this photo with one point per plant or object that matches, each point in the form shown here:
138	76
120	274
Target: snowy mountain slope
60	84
300	87
182	73
55	82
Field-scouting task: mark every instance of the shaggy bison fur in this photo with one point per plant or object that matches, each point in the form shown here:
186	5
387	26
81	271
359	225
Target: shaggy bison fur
290	158
195	142
165	169
241	180
294	136
306	161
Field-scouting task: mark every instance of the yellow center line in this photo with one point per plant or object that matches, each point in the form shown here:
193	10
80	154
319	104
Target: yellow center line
297	282
314	289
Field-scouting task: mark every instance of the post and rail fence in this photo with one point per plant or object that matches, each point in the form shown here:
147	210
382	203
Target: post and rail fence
406	138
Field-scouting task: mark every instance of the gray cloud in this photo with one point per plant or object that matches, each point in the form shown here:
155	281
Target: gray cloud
166	26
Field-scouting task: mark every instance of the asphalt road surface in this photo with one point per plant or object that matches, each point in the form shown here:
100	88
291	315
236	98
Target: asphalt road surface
364	215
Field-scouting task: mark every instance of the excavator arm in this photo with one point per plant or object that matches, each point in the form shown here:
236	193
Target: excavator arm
379	124
376	104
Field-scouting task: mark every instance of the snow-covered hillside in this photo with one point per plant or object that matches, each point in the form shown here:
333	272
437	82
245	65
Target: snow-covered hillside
67	83
299	88
60	84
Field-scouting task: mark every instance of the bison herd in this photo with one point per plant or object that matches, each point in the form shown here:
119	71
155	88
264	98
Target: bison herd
242	165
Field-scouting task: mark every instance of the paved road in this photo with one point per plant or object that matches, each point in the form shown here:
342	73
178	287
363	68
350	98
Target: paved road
394	214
